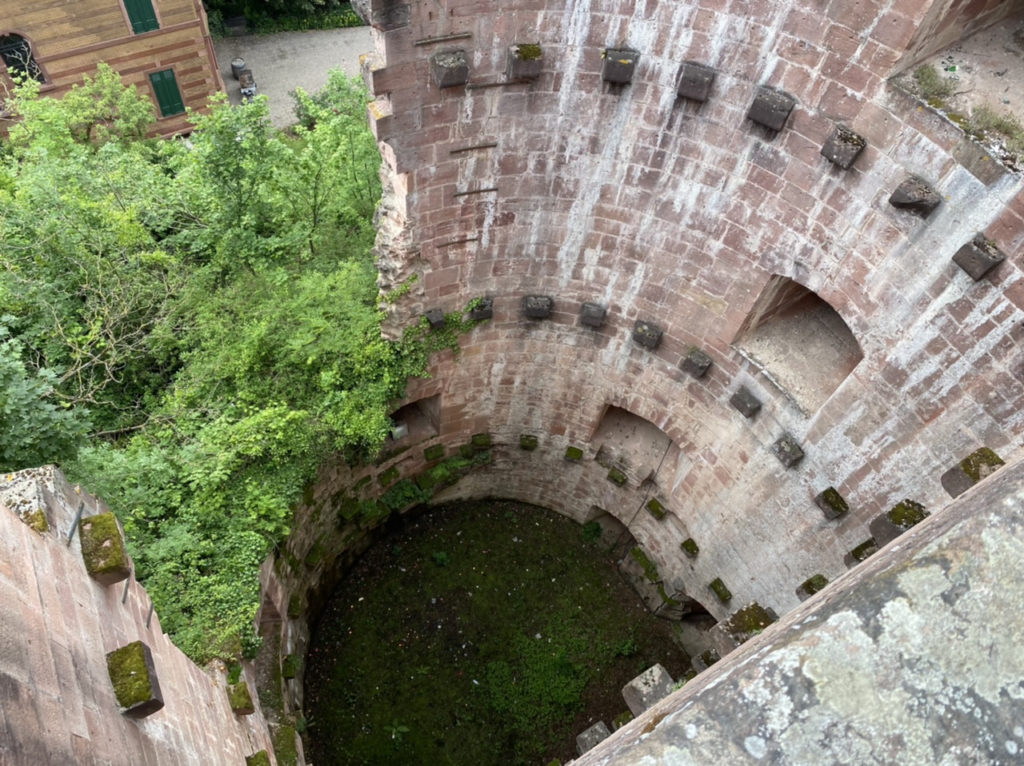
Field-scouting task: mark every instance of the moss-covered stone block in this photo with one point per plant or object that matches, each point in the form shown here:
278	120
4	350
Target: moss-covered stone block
718	588
575	454
103	550
388	477
621	720
258	759
433	452
656	509
862	552
285	749
240	699
133	677
615	476
466	451
907	513
704	660
747	622
290	665
810	586
480	441
36	521
831	503
981	463
690	547
528	442
450	68
296	605
524	61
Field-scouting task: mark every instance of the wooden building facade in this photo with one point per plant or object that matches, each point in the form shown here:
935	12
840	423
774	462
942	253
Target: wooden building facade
163	47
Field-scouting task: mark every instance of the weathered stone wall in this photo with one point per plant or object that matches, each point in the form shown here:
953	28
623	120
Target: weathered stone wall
57	704
676	212
914	657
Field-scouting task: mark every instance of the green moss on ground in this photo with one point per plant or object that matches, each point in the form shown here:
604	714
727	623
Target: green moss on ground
129	674
501	656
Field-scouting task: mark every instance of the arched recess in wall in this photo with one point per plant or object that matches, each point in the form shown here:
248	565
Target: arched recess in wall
800	341
16	52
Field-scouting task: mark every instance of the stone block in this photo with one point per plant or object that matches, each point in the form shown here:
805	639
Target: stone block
619	65
704	660
435	318
259	758
915	195
831	503
103	550
695	81
538	306
978	257
133	676
621	720
771	108
592	315
746	623
616	476
591	737
240	699
481	441
573	454
843	147
290	665
528	442
690	547
648	688
897	520
481	308
433	452
861	552
697	363
718	588
955	481
744	401
656	509
450	68
810	586
524	61
647	334
787	451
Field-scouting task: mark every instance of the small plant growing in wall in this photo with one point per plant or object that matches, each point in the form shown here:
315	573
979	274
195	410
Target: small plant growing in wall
524	61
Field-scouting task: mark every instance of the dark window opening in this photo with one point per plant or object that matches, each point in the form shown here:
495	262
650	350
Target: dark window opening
417	420
16	53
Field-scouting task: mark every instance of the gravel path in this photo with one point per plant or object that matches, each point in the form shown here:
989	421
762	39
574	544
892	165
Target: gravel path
283	61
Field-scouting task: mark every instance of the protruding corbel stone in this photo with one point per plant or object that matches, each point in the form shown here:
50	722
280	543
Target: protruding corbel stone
831	503
842	147
592	315
538	306
690	547
704	660
695	81
524	61
697	363
744	401
656	509
435	318
787	451
592	737
916	195
481	308
133	676
450	68
647	334
528	442
742	626
240	699
647	689
970	471
718	588
810	586
771	108
897	520
619	65
978	257
103	549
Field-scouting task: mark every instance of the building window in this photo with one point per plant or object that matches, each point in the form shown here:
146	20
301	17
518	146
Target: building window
141	15
168	97
16	53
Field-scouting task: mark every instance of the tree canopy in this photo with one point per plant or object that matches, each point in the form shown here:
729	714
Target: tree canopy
191	326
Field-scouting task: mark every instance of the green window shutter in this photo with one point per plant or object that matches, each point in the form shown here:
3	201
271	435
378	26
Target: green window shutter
167	94
142	15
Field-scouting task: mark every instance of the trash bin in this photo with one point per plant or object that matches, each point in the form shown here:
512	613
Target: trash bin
237	65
